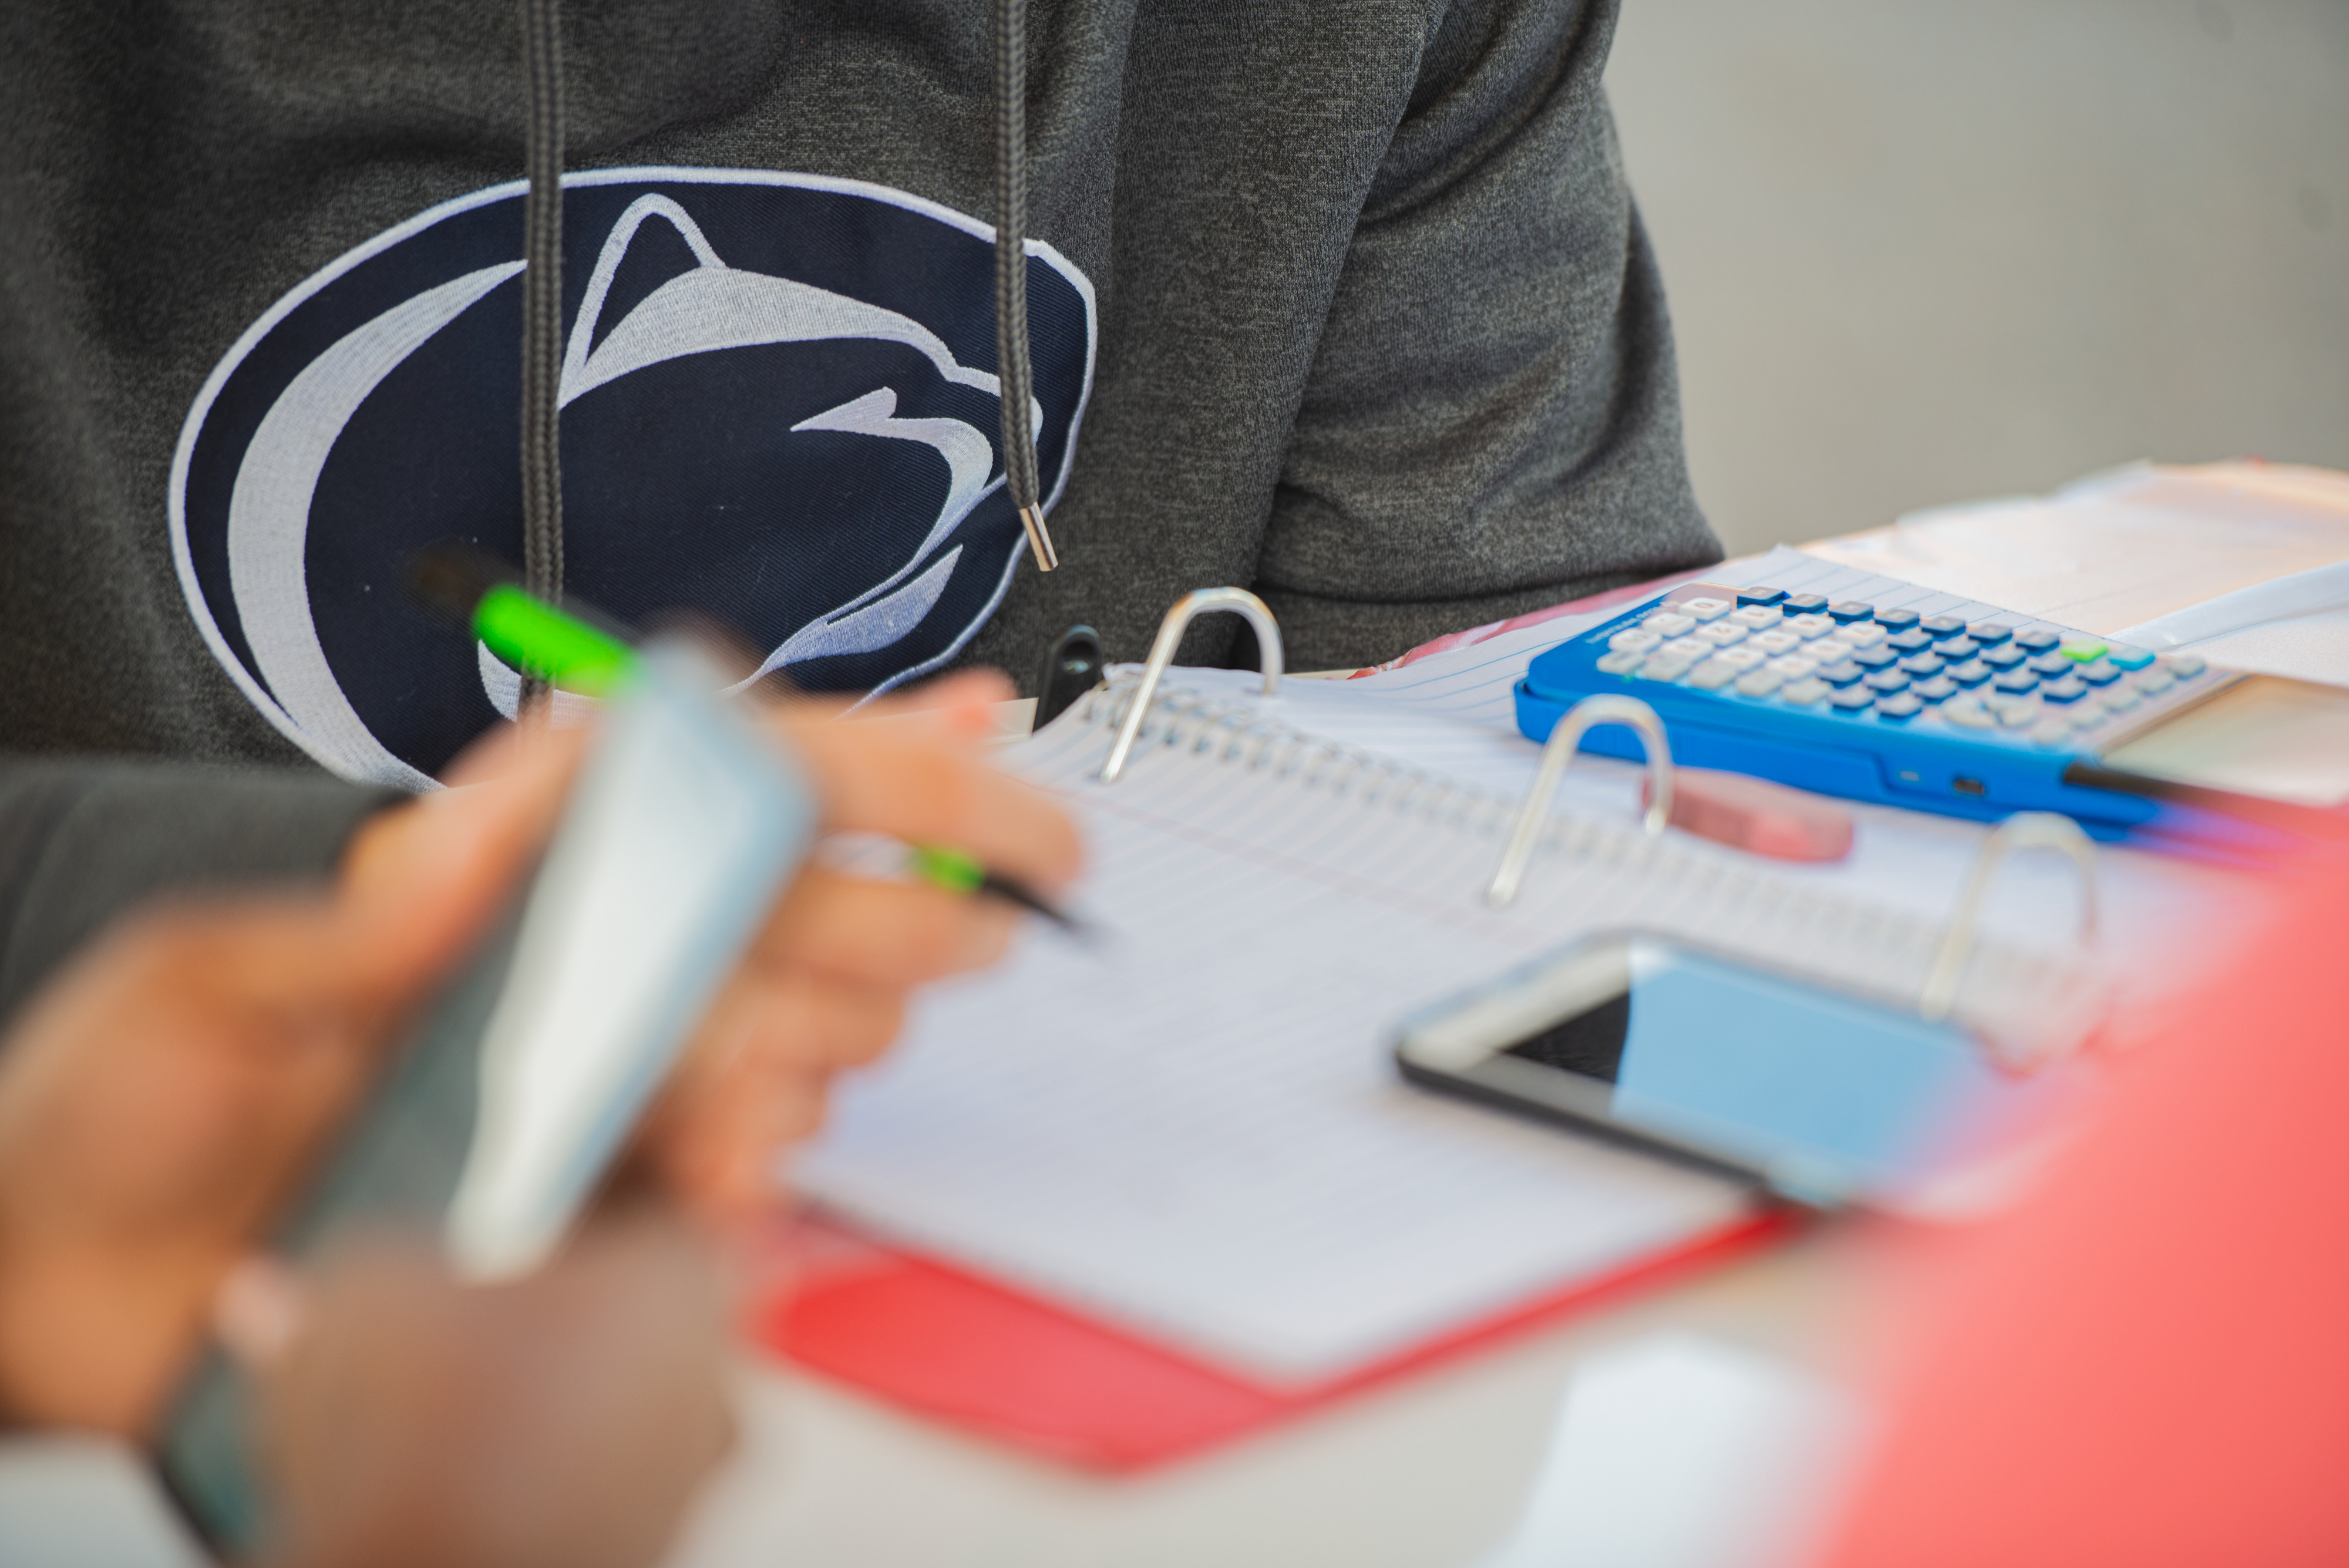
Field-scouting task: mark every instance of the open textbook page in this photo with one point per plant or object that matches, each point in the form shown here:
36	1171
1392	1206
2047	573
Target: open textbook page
1191	1127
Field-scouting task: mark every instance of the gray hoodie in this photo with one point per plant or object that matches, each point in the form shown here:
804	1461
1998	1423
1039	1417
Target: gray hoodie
1345	303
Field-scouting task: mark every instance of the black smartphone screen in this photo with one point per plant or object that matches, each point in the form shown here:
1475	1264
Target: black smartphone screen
1826	1094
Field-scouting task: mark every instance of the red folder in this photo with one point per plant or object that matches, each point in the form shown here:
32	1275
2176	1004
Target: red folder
932	1338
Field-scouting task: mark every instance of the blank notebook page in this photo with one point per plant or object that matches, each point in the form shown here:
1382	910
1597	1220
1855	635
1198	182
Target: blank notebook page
1193	1127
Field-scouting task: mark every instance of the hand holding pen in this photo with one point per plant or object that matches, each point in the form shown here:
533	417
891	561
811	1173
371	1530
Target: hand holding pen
591	654
825	983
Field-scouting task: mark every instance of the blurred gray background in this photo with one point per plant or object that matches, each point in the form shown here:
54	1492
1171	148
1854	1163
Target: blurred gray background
1924	251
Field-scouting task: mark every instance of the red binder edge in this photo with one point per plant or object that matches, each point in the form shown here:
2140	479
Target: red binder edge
929	1338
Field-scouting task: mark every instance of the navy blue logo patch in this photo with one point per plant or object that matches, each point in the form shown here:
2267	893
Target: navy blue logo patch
779	409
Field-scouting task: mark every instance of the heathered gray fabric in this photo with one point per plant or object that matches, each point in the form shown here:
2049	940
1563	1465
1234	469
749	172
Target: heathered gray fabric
1380	332
82	841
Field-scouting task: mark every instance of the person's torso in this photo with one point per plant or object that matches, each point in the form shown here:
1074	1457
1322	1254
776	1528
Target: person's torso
268	303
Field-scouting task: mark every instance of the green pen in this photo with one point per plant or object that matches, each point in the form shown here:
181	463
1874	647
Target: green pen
570	652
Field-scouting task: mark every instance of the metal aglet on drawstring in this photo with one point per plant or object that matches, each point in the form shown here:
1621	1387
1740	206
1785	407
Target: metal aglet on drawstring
1040	538
1017	377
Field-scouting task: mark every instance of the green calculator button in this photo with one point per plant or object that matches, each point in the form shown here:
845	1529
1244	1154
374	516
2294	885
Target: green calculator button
2083	648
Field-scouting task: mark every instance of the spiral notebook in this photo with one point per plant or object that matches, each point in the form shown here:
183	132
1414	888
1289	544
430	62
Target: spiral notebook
1189	1133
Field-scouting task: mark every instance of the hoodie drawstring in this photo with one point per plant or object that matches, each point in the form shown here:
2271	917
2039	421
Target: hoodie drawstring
542	310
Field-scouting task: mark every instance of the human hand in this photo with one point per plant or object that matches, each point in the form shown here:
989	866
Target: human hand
824	985
162	1097
568	1417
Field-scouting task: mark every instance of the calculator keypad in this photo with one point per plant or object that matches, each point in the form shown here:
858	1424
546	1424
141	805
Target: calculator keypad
2031	686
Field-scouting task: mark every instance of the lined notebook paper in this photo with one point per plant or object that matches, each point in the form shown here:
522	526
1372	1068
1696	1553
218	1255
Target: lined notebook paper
1193	1127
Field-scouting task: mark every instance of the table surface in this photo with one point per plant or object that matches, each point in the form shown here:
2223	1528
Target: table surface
1432	1471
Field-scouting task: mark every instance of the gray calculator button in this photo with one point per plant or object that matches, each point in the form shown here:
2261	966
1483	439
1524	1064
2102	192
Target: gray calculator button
1803	693
2052	732
1620	663
1851	610
1923	664
1758	595
2153	682
1793	667
1688	648
2015	681
1863	634
2039	640
1758	616
1843	673
2019	713
1957	648
2051	665
1903	706
1721	633
1804	604
2117	700
1808	626
1853	699
1740	658
2066	690
1669	623
1969	711
1712	675
1972	672
1874	657
1937	626
2004	658
1760	682
2186	666
1662	666
1895	619
1775	643
1989	633
2098	672
1909	641
1887	681
1940	689
1635	640
1705	609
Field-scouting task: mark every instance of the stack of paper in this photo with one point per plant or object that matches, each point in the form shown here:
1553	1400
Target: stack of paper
2247	562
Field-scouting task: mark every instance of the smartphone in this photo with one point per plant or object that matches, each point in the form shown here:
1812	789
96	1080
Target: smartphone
503	1111
1825	1096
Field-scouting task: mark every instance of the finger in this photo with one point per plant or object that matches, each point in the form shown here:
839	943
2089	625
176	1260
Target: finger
961	706
881	934
793	1016
915	786
725	1161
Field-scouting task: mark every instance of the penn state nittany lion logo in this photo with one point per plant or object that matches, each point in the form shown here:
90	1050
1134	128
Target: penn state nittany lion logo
779	409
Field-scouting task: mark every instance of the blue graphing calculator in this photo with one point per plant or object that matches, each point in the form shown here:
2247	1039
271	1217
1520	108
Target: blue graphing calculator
1976	720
